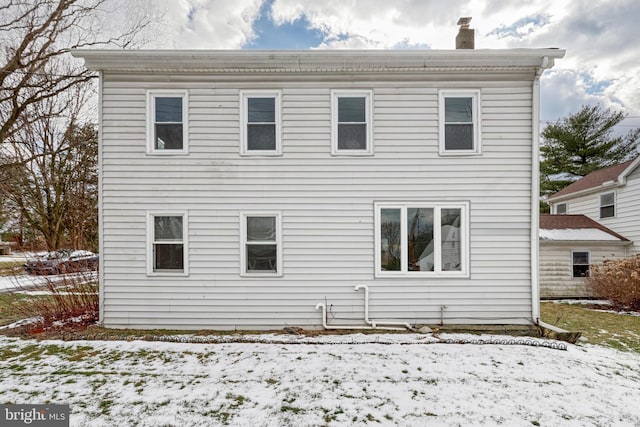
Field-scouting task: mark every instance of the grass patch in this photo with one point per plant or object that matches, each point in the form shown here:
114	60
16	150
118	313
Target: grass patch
10	308
618	331
10	268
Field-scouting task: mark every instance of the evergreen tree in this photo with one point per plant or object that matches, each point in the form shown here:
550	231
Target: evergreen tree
581	143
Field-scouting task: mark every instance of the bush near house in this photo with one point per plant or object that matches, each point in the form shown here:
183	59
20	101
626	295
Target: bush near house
618	281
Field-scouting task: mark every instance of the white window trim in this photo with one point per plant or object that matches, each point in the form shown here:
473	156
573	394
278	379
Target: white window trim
615	205
571	264
151	117
244	117
437	206
474	94
243	243
150	243
566	206
368	95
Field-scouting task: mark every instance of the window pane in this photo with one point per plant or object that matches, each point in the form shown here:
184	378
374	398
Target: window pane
420	244
260	229
561	209
168	109
451	248
580	271
458	110
352	137
390	239
262	110
261	137
606	199
168	257
262	258
581	258
458	137
607	212
351	109
168	137
167	228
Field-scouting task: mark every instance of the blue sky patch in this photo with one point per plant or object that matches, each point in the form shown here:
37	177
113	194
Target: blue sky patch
290	35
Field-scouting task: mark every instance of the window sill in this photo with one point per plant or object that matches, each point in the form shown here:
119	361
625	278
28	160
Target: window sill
168	153
167	274
352	154
426	275
459	153
261	274
261	154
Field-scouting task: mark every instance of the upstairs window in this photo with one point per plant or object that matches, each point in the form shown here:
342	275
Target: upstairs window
561	208
260	127
261	251
167	127
421	239
459	116
351	123
580	261
607	205
167	249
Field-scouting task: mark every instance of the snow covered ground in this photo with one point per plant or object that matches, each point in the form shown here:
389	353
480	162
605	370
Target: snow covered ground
357	379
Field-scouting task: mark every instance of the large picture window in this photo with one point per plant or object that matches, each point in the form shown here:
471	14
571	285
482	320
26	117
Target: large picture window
421	239
459	112
351	123
167	122
261	251
260	123
167	243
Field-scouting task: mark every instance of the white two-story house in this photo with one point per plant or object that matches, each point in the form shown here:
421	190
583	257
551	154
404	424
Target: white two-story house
594	218
263	189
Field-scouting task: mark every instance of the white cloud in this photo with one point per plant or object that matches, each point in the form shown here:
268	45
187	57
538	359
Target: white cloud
210	24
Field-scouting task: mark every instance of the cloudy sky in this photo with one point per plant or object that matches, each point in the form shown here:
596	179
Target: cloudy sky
602	64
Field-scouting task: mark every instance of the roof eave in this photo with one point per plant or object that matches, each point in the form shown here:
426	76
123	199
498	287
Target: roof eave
316	60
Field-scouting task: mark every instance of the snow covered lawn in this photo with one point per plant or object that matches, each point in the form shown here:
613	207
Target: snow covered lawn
327	380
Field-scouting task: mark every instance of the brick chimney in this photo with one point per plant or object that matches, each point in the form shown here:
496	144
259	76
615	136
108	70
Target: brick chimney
466	36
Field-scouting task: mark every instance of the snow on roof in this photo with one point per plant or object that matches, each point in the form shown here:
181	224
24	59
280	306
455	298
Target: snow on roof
580	234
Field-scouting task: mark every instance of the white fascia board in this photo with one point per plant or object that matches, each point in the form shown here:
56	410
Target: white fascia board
315	60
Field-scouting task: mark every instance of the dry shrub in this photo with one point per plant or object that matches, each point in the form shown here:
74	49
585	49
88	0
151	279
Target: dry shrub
618	281
61	300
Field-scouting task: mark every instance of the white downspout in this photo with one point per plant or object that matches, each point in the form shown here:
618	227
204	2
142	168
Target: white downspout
535	192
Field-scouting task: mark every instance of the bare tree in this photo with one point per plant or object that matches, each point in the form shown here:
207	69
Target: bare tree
52	177
35	36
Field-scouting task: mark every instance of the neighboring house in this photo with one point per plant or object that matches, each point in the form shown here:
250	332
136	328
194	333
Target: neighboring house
569	244
610	196
239	189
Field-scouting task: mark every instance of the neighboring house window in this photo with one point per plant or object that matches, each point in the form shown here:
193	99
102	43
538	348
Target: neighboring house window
261	251
167	243
351	132
459	112
167	122
561	208
580	264
414	239
260	123
607	205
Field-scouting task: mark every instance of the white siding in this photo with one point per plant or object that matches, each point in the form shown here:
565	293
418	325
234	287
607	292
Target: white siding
326	204
556	268
627	219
